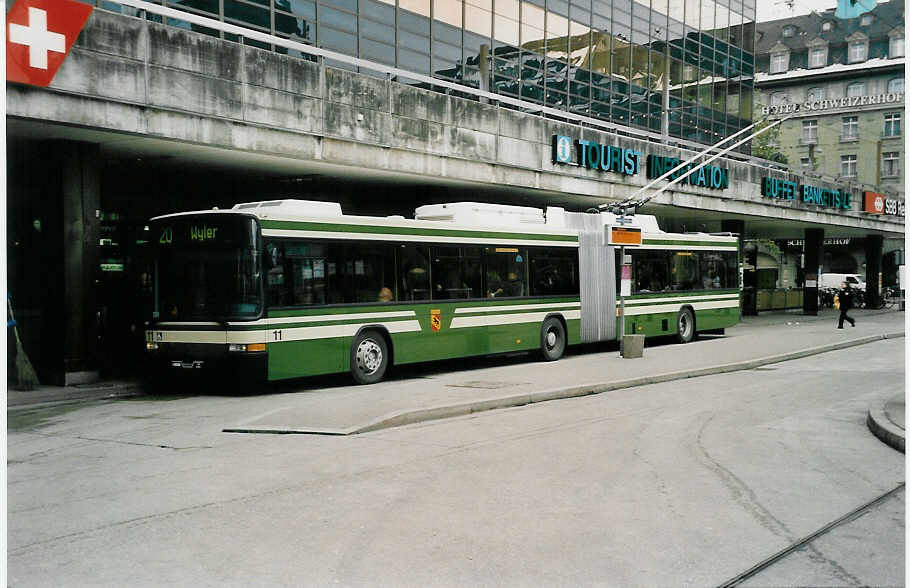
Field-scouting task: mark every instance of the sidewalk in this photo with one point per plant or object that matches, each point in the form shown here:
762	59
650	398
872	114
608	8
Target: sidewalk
450	389
447	392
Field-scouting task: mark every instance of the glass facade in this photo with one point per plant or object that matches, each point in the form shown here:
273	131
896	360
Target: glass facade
616	60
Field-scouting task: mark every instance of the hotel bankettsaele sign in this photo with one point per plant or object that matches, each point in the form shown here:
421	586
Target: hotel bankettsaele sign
785	190
39	34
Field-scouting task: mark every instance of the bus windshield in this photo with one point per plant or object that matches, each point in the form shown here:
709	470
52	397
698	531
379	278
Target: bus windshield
207	268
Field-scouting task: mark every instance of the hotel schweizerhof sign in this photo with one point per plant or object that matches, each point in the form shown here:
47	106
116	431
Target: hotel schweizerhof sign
834	103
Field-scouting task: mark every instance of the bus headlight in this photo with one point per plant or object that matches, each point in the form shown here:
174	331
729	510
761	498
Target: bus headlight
149	346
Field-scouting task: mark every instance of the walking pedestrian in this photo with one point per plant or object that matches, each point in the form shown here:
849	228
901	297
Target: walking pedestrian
845	298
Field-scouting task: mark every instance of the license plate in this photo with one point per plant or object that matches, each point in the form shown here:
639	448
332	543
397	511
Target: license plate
187	365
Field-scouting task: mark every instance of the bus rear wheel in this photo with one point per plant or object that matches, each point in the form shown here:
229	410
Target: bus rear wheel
685	325
369	357
552	339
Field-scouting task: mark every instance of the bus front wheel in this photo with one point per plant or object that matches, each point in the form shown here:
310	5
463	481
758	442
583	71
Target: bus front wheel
685	325
369	357
552	339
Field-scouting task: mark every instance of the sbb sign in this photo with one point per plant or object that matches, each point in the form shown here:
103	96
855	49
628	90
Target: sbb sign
876	203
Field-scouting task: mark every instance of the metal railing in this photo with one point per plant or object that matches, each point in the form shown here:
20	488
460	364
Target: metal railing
392	73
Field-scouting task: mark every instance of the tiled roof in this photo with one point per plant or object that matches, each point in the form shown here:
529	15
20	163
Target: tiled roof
886	16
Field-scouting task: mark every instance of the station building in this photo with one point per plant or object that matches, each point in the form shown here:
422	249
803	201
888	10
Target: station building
381	106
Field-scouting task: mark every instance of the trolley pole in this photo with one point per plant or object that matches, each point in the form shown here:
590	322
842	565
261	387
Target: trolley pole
622	302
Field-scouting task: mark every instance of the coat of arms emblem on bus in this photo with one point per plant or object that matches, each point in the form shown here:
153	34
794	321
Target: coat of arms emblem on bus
435	319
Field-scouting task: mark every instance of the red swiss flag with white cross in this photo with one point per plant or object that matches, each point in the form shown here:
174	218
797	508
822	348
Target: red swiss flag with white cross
39	34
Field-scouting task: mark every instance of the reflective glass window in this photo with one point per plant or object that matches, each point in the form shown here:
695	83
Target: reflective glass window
421	7
416	62
338	20
295	28
506	30
509	8
380	11
247	13
338	40
378	51
377	31
413	22
349	5
448	11
305	9
478	20
413	42
210	6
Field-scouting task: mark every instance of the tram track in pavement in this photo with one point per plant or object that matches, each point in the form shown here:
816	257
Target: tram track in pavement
796	545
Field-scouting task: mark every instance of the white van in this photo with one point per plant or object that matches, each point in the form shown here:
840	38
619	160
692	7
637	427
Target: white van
834	280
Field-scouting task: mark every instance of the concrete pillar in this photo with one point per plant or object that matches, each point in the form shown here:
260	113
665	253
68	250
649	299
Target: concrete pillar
812	255
874	245
739	227
74	194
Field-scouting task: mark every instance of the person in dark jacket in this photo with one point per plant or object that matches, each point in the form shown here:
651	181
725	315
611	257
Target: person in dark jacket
845	298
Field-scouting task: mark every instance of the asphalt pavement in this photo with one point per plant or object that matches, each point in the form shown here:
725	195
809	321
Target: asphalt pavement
333	406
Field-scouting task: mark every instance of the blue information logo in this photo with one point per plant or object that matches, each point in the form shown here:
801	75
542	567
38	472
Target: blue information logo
562	149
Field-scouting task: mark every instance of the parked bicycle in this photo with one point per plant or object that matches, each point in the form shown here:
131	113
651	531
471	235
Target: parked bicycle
889	297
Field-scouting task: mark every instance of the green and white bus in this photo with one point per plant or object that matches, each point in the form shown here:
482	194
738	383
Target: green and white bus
292	288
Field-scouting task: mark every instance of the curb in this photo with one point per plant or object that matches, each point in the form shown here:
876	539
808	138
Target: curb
398	419
882	427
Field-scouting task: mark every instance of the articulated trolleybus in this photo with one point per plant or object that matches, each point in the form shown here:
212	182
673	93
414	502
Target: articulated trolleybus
291	288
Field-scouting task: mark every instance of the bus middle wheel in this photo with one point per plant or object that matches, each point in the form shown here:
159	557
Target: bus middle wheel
369	357
685	325
552	339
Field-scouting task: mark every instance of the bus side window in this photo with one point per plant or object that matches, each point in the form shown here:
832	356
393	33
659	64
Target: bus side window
276	287
369	272
456	272
553	271
717	269
684	271
650	272
506	271
414	272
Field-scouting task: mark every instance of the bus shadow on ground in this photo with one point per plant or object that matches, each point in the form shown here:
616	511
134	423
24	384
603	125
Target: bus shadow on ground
186	385
198	385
